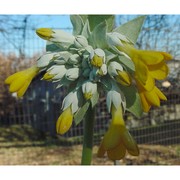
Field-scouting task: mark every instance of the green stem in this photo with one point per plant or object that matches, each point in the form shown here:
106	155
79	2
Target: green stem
88	137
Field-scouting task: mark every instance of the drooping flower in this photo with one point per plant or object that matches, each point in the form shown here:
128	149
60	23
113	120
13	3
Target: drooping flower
20	81
45	59
69	107
55	73
117	140
149	65
97	57
117	71
60	37
151	98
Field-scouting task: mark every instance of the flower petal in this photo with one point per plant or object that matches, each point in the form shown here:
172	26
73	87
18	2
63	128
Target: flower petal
141	72
145	104
159	71
17	84
23	89
149	84
152	97
101	151
64	122
117	153
150	57
160	94
14	76
167	56
130	143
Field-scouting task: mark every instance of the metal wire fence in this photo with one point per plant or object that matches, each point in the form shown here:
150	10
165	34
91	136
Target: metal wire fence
27	125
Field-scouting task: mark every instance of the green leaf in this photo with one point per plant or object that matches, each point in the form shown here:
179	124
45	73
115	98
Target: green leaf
86	30
97	19
52	47
132	28
94	99
84	17
133	101
77	23
129	65
79	115
98	36
109	55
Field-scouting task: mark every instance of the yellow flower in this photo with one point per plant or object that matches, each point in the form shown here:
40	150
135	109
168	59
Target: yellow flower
64	121
45	33
20	81
150	98
117	139
149	65
123	78
97	57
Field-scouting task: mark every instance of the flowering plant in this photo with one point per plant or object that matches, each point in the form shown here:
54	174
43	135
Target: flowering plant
97	58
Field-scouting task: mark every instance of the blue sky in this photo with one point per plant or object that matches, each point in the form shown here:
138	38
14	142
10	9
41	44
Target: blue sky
34	44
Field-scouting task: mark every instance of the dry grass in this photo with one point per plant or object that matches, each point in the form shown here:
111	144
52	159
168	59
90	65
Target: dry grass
22	145
71	155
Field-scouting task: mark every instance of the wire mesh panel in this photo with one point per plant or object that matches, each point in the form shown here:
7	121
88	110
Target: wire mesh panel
27	125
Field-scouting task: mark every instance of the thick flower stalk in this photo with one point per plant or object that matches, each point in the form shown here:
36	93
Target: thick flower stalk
88	62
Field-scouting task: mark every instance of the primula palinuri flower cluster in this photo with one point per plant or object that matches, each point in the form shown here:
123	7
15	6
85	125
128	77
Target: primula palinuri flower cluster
92	61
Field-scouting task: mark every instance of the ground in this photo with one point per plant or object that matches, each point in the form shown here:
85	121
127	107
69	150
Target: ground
24	146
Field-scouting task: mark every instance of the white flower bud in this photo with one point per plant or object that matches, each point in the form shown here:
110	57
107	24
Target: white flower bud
103	70
61	58
89	89
80	41
44	60
72	74
63	37
113	97
116	39
55	72
74	59
62	71
113	67
71	99
97	57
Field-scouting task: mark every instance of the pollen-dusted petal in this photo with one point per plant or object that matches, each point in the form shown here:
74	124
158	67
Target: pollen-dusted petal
152	97
160	94
146	106
159	71
150	57
23	89
117	153
64	122
130	143
14	76
17	84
